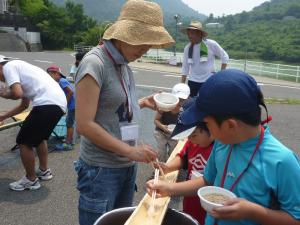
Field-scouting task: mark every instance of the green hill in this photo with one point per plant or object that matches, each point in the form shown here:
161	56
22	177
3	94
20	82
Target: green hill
270	31
108	10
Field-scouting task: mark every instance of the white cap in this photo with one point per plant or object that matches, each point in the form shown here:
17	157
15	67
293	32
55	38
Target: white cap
181	90
4	59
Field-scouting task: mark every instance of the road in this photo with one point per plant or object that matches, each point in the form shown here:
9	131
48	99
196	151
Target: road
56	202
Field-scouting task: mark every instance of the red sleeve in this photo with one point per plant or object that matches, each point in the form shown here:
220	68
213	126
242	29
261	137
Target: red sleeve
183	150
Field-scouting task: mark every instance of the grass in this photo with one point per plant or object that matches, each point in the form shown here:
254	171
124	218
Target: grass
287	101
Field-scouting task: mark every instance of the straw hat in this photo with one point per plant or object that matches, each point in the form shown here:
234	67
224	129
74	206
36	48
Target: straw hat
195	25
140	23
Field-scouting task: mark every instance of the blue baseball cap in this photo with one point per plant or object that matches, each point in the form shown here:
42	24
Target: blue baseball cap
182	131
228	92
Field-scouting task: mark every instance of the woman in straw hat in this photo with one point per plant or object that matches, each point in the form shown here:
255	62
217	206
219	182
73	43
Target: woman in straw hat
199	57
107	110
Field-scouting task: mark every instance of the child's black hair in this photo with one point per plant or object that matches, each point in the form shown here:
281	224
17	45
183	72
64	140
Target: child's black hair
79	55
202	126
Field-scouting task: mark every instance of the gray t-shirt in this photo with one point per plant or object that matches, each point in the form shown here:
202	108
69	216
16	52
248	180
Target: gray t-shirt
110	109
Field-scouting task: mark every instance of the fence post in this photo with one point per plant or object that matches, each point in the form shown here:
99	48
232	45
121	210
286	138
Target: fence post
156	55
277	71
260	69
298	70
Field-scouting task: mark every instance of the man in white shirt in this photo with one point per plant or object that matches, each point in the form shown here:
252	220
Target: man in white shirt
32	84
199	57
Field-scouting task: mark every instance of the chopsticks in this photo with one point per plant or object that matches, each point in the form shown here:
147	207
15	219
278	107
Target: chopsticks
159	167
153	196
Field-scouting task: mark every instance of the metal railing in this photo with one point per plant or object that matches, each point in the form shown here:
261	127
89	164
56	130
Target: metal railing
271	70
82	48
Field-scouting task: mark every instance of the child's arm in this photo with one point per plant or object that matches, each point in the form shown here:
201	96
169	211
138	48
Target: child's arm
240	209
174	164
185	188
69	93
159	124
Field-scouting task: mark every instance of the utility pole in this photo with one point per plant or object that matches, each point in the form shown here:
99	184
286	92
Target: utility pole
177	18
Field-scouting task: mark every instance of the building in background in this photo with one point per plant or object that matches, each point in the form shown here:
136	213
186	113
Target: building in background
3	6
18	34
214	25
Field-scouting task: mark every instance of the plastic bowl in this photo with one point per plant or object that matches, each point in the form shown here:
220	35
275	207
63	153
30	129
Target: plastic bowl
209	205
166	101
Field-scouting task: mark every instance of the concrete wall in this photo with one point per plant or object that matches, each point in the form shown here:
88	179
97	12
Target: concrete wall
11	42
30	37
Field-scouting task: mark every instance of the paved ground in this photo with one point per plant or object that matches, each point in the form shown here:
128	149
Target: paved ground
56	202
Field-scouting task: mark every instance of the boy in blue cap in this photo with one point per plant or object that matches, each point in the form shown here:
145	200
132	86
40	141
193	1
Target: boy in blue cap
246	159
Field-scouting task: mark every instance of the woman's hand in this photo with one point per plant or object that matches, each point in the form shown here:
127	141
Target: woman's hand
143	153
161	165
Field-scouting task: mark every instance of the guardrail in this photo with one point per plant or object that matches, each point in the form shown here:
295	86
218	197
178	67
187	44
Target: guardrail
271	70
82	48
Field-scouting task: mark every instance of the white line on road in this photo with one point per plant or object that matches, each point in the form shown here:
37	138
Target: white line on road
42	61
282	86
172	76
156	87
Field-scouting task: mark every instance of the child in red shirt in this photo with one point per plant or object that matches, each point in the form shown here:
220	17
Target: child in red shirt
193	157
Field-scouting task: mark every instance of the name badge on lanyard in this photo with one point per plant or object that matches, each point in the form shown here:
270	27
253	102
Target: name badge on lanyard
129	133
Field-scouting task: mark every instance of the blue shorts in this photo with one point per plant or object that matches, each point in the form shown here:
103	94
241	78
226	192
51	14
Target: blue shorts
103	189
70	119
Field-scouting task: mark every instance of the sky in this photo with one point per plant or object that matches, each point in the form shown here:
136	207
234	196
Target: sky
220	7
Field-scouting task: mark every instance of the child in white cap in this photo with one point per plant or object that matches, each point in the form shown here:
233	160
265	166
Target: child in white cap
165	121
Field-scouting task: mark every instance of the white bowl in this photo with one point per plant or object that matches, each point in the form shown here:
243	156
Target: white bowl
166	101
209	205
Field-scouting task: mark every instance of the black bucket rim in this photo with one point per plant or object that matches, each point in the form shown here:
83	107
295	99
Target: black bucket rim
113	211
132	208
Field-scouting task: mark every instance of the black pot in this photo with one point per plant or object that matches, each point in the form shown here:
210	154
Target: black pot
119	217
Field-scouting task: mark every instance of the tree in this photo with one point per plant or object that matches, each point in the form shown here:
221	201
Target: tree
31	8
210	18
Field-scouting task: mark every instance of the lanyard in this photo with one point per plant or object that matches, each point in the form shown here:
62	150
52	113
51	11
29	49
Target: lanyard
117	68
262	131
261	136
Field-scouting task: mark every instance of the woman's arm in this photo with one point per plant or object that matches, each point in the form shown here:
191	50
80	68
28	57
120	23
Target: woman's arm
87	98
